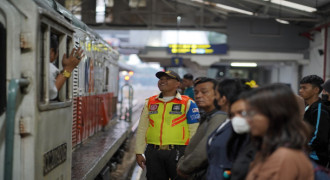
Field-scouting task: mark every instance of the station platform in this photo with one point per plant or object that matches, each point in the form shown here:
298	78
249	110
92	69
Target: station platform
93	155
89	159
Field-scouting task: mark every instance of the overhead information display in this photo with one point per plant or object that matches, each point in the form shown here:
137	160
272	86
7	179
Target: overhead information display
197	48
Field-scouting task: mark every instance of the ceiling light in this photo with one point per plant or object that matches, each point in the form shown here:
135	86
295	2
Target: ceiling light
282	21
239	64
229	8
293	5
234	9
200	1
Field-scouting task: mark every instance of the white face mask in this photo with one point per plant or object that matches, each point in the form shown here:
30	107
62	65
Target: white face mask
240	125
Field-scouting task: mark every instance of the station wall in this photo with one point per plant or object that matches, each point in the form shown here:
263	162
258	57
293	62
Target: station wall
257	34
316	56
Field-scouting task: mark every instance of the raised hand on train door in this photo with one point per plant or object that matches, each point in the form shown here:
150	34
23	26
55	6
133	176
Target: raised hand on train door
69	63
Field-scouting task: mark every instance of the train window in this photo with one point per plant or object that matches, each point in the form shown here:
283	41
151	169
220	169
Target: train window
54	42
106	79
3	72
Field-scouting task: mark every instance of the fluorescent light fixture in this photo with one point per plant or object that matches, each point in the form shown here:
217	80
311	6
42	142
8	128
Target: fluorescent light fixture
293	5
282	21
229	8
200	1
240	64
234	9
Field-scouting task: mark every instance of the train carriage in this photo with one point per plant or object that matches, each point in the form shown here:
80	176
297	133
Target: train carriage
39	134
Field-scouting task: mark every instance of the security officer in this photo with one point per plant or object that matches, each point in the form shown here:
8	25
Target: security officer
167	123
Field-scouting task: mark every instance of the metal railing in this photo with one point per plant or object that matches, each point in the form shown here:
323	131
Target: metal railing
128	112
15	92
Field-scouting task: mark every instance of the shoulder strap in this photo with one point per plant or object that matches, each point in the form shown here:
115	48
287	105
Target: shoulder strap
208	117
317	123
218	112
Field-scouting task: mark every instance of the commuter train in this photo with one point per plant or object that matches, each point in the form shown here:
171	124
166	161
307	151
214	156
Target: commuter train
39	135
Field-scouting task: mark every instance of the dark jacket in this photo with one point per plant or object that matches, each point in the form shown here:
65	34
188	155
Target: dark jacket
320	136
241	165
217	152
194	162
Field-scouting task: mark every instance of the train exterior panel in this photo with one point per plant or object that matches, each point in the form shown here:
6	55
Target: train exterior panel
46	132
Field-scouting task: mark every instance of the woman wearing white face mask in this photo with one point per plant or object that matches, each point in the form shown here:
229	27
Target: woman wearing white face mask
240	125
239	148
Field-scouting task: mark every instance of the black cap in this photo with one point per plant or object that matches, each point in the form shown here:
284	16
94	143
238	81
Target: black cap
169	73
326	86
188	76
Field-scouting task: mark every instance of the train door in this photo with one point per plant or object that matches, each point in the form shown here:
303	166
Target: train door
3	91
53	150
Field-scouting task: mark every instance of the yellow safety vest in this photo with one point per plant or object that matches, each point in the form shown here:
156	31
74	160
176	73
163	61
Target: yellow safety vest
168	122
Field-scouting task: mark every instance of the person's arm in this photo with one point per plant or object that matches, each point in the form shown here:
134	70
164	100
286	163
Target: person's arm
140	144
197	156
192	117
319	140
68	65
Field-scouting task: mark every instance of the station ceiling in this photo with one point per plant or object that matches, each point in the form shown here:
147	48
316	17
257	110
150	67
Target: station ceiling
254	26
210	15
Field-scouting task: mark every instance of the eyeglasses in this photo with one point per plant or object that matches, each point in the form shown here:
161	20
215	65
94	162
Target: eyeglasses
239	113
244	114
250	113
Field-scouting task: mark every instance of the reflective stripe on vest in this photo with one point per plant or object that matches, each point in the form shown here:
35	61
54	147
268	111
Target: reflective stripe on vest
168	122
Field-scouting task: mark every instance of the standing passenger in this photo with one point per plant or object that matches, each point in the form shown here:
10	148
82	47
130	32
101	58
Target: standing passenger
167	123
227	92
317	115
189	85
326	93
240	149
193	164
280	135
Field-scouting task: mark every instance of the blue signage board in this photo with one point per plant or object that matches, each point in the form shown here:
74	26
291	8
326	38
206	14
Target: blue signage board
176	61
197	48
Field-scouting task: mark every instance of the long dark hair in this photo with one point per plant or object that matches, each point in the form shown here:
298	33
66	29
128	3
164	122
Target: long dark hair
278	103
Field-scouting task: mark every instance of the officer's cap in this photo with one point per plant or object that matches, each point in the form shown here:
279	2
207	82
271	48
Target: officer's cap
169	73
